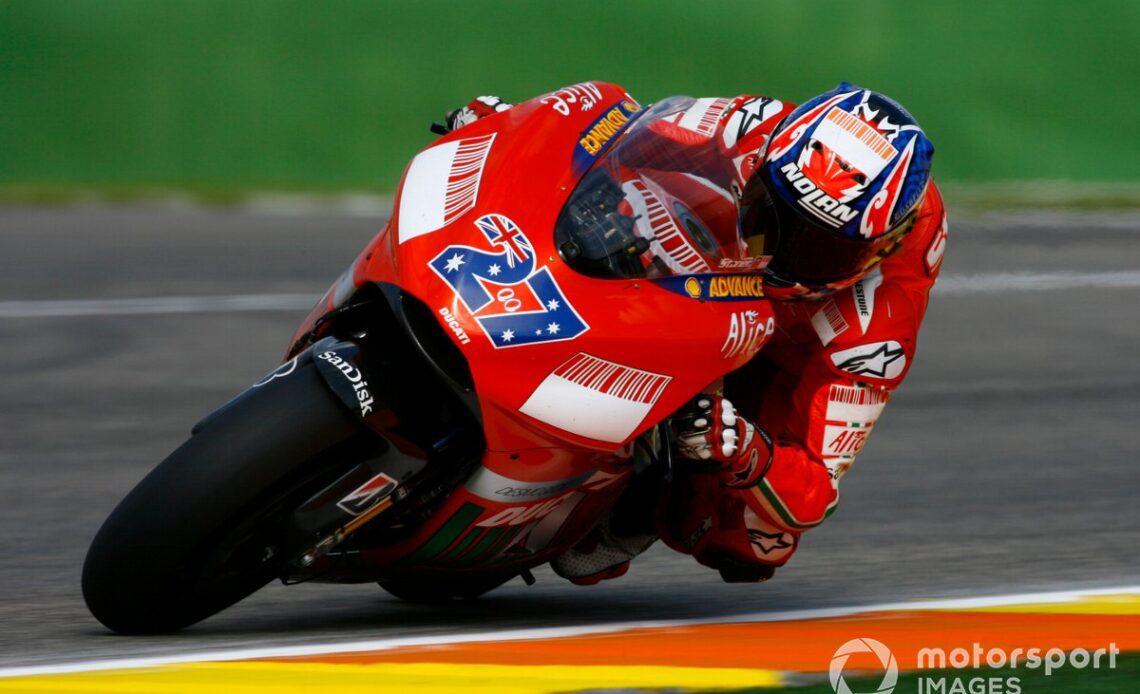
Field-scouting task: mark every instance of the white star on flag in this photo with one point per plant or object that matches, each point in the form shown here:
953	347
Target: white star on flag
494	270
552	305
552	328
508	335
454	262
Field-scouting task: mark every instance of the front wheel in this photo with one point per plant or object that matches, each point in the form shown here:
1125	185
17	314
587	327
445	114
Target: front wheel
209	525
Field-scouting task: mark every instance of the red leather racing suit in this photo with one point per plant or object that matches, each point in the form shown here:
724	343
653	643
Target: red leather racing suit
821	383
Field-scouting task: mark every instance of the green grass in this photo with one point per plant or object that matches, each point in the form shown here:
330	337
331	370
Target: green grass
1125	679
214	95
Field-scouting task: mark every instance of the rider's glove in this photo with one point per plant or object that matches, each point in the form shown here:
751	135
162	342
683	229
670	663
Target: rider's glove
709	429
478	108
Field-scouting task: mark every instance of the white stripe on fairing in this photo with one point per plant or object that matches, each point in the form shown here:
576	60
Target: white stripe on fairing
158	305
442	183
947	285
1035	281
1056	597
584	411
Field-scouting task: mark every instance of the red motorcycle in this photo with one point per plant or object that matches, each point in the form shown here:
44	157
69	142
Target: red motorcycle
474	393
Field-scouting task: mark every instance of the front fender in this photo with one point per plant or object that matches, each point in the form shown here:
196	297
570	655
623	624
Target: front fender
340	364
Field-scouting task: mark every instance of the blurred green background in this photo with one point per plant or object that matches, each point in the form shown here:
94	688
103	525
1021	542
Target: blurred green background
222	96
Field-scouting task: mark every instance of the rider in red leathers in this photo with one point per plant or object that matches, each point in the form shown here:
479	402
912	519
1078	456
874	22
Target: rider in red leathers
835	195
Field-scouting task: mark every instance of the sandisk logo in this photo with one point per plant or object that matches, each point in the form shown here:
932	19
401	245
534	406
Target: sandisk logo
815	200
355	378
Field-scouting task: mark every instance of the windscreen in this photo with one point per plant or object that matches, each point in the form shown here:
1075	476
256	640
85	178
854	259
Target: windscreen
657	203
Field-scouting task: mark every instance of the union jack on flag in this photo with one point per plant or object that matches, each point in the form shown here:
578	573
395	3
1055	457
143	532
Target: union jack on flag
503	233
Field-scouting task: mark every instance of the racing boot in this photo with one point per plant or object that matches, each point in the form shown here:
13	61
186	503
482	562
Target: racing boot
601	555
626	532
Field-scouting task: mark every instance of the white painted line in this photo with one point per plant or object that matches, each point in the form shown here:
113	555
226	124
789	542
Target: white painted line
158	305
948	285
1035	282
1055	597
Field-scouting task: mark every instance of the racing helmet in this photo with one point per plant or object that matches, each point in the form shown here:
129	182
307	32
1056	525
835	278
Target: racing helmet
840	183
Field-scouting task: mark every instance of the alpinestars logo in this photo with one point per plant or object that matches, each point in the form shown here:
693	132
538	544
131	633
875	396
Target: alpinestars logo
814	200
769	542
878	360
749	116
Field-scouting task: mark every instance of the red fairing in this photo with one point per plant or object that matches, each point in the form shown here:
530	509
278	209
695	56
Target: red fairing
556	356
564	373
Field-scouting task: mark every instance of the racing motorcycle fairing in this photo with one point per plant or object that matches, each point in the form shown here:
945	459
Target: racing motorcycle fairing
557	357
502	358
565	368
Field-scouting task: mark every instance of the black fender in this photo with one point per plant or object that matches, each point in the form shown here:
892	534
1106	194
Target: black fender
340	365
386	358
384	364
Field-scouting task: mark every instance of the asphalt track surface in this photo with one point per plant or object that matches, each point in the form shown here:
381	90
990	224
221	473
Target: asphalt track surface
1006	463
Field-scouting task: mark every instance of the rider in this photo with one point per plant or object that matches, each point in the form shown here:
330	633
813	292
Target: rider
837	191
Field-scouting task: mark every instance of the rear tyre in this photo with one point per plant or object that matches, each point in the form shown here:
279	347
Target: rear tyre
209	525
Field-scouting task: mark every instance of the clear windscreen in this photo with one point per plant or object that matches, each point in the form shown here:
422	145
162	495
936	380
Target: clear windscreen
657	203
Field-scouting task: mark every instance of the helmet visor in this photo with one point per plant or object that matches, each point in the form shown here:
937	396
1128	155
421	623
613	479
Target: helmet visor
805	252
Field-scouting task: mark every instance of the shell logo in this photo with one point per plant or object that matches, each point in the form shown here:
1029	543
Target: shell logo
693	287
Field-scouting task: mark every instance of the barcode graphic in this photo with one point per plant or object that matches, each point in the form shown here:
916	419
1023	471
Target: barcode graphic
707	125
865	133
620	381
834	317
463	179
667	235
850	395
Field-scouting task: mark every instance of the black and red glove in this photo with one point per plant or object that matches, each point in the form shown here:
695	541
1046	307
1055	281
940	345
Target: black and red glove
709	429
479	107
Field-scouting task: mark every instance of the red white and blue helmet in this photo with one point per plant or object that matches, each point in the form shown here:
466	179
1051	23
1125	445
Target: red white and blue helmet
840	184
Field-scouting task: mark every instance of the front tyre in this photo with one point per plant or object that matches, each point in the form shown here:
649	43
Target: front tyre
209	525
